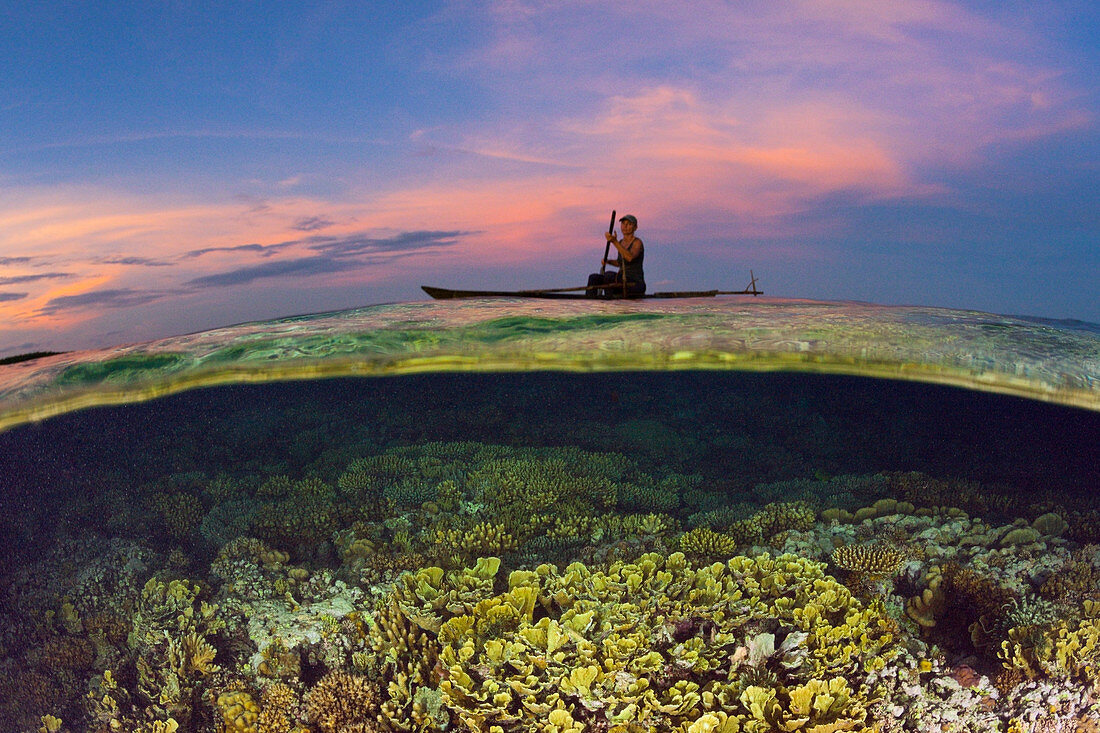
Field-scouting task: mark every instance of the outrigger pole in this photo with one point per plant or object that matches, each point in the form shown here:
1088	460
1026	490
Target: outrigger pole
750	290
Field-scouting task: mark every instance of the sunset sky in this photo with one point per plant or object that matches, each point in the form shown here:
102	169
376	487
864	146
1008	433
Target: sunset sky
167	167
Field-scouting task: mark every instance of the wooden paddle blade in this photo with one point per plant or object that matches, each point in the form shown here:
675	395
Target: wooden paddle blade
607	246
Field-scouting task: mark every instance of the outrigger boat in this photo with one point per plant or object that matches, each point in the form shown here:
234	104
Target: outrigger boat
610	291
580	293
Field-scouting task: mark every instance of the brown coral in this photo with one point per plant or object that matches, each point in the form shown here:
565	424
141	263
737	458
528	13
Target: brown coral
342	703
925	607
484	538
972	590
1076	580
873	559
238	711
410	653
181	513
780	516
279	706
64	652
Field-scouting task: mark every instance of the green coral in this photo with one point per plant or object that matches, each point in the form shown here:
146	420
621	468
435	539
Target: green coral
180	513
299	513
171	653
647	497
782	516
760	526
1066	648
454	501
705	542
657	643
483	538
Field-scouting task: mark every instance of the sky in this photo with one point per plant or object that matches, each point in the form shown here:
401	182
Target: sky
176	166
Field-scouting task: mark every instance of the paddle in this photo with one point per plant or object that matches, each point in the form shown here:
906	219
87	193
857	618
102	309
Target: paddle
607	247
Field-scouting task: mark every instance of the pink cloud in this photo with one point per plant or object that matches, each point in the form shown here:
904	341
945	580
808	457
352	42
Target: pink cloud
725	117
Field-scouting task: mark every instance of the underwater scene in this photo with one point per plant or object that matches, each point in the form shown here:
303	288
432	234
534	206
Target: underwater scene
696	517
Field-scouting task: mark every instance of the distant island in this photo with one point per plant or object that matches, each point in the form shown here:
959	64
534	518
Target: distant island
27	357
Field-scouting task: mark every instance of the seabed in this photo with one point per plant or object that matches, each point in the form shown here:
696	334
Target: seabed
713	515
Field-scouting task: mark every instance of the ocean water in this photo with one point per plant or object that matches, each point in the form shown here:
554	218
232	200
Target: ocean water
696	516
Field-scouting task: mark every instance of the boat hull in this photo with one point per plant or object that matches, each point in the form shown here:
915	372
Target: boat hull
448	294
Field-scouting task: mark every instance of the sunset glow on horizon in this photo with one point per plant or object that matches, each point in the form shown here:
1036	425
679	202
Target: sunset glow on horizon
171	169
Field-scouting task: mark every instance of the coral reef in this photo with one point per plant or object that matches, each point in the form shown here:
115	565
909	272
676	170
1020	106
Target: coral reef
472	586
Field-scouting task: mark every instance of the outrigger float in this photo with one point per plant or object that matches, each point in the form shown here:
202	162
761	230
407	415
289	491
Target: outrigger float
581	292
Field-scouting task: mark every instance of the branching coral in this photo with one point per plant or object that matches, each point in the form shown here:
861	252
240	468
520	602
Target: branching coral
308	512
454	501
483	538
343	703
1078	580
704	542
781	516
649	498
406	649
874	559
180	512
279	707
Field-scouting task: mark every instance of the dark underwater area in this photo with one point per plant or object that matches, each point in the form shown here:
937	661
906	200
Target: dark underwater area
139	542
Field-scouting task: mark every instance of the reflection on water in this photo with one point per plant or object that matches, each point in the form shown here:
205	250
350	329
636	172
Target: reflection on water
230	558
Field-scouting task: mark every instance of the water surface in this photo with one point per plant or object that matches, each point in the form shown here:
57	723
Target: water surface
231	530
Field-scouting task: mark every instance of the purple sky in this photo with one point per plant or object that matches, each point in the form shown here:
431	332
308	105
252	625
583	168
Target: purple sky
171	167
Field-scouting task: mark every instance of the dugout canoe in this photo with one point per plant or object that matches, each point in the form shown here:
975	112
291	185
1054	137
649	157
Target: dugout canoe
579	293
448	294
